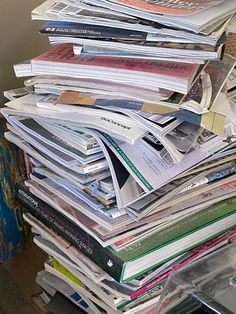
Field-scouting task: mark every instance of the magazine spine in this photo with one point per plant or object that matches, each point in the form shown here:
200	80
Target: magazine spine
42	211
92	31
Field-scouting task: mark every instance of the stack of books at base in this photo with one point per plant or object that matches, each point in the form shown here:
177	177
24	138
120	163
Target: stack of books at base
131	156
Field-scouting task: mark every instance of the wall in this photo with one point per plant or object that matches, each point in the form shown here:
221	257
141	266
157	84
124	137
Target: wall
19	39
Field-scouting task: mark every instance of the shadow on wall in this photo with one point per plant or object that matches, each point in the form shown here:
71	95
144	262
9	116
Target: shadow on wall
19	40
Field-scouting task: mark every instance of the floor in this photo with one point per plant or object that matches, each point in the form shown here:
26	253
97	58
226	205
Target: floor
12	299
17	281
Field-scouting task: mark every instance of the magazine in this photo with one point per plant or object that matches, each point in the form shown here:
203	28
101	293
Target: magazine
194	22
152	73
168	7
123	126
51	284
160	49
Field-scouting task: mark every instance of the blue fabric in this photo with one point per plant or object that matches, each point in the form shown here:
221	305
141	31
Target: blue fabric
12	171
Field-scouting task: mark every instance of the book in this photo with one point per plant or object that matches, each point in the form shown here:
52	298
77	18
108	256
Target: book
125	292
158	274
154	250
61	250
152	281
23	69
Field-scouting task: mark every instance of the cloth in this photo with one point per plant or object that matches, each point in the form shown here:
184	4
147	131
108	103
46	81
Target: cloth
12	171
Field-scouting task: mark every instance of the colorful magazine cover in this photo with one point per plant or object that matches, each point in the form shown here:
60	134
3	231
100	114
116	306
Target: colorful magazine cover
177	7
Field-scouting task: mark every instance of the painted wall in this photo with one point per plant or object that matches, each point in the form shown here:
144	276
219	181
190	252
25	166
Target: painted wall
19	39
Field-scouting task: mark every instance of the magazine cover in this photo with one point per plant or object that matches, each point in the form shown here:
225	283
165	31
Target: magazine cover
178	7
63	55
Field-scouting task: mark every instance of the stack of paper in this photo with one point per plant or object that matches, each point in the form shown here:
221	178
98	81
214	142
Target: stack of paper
130	146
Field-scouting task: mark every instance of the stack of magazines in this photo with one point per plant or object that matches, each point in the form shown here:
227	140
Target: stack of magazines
130	144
